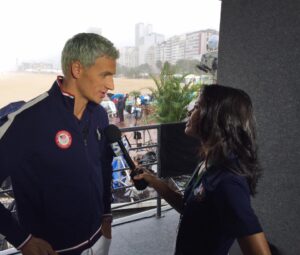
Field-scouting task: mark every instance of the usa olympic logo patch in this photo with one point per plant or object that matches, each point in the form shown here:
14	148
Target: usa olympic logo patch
63	139
199	193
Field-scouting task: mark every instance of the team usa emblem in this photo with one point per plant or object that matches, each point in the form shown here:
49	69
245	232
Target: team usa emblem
199	192
63	139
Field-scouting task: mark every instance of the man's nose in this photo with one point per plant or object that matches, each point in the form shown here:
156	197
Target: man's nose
110	83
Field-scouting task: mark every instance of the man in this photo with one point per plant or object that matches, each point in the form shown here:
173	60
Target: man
121	106
59	161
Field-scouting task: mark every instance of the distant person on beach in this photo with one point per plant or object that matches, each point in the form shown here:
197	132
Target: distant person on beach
215	208
58	159
121	107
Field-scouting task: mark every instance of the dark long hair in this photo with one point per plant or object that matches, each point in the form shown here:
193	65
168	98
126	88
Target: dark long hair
227	131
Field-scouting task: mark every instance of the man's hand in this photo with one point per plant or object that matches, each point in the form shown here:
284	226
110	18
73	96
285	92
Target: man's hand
106	227
37	246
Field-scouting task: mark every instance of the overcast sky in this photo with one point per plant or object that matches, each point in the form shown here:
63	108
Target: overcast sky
33	30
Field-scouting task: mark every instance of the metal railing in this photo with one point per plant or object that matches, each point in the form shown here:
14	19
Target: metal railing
139	148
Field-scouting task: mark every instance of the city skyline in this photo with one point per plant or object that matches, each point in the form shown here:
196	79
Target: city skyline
37	30
151	48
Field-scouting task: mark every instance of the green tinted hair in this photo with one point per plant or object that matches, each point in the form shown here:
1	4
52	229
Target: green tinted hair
86	48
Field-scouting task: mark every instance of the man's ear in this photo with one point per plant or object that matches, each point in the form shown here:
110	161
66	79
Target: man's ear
76	69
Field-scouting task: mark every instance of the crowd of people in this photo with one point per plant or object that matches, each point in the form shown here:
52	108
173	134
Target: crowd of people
54	149
126	104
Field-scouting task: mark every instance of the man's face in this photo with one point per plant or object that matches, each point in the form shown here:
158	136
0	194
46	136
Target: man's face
94	81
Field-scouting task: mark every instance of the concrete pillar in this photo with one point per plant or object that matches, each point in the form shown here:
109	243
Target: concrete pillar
259	51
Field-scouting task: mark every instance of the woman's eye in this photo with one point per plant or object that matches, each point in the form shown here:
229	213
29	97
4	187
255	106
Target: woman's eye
190	112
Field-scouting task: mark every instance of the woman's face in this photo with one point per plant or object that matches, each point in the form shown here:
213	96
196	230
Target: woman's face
192	124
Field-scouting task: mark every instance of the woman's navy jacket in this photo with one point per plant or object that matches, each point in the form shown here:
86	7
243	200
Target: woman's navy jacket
60	169
217	210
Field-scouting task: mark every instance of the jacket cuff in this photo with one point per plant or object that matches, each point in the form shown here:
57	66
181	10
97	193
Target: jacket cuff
25	242
107	208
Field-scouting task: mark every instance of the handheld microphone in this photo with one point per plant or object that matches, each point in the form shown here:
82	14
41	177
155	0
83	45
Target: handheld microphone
113	134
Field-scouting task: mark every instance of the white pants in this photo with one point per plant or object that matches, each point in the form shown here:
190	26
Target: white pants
101	247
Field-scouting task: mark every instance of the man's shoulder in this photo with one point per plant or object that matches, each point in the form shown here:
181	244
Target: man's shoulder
34	106
22	116
8	109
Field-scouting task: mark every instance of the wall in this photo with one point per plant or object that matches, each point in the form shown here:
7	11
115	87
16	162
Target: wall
259	51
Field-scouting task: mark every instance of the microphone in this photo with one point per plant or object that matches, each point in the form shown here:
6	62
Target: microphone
113	134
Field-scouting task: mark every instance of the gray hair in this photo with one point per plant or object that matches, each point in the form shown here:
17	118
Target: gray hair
86	48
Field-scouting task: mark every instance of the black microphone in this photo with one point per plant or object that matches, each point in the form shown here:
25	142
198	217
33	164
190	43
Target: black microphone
113	134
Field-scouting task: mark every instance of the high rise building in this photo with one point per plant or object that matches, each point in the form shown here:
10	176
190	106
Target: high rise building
151	47
187	46
141	30
139	33
193	45
128	56
145	42
147	47
177	48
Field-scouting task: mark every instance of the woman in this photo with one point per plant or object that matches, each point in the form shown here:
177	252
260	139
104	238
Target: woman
215	209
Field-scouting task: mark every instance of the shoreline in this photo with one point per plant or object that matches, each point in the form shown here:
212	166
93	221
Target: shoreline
16	86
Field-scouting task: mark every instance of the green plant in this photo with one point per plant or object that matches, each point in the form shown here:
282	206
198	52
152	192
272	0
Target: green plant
135	93
172	95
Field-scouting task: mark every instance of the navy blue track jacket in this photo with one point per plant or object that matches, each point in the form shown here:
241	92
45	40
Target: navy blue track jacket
60	169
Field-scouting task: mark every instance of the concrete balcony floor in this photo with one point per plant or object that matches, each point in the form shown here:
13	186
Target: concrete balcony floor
141	234
144	234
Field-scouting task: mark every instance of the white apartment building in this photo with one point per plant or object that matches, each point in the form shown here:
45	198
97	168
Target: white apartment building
196	43
145	42
187	46
152	47
140	31
177	47
193	45
205	35
128	56
147	46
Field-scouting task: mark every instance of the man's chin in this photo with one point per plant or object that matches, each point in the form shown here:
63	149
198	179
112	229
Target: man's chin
97	101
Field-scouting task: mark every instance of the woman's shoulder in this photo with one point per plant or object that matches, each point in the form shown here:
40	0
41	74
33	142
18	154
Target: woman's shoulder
223	178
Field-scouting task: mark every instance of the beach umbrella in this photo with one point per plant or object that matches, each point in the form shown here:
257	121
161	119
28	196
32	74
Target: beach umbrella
117	96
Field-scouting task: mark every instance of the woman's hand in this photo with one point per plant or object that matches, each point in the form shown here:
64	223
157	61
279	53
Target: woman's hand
147	175
174	198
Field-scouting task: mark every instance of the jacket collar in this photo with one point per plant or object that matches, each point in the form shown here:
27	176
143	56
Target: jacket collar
66	98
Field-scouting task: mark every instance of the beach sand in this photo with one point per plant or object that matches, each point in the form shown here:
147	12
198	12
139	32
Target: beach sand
25	86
